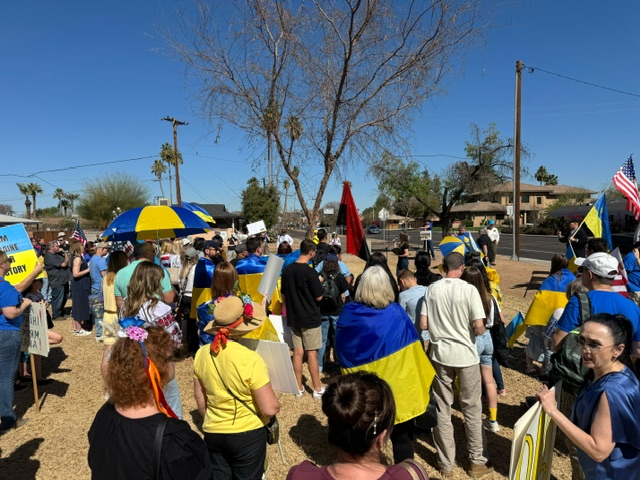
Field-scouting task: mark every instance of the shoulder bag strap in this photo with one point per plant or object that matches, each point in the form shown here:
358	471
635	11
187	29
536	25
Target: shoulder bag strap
230	392
157	447
585	307
414	469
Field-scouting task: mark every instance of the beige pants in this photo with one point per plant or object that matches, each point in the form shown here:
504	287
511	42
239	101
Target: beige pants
470	392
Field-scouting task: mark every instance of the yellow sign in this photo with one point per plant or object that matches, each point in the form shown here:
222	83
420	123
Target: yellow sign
15	242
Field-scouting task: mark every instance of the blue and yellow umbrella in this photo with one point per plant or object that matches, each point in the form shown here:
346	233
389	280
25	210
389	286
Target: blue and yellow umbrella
154	222
199	211
452	244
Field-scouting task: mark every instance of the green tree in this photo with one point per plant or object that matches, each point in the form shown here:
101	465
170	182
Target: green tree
59	195
167	156
26	191
544	177
49	212
34	190
158	169
352	82
102	197
438	193
72	198
260	202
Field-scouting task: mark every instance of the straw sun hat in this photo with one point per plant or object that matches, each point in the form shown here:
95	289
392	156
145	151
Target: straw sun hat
239	318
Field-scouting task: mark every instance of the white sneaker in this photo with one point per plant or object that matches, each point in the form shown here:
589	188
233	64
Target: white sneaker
319	393
300	393
99	339
82	333
491	426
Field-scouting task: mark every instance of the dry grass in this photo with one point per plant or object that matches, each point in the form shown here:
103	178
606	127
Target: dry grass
53	444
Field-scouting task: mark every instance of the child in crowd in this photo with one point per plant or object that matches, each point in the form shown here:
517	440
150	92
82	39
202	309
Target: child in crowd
34	293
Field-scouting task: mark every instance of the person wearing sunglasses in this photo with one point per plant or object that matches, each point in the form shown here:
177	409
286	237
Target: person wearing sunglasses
605	420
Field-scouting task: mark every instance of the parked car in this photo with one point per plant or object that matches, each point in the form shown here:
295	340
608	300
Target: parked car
373	229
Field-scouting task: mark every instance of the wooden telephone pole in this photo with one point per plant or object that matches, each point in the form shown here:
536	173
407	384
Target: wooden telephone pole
175	124
516	164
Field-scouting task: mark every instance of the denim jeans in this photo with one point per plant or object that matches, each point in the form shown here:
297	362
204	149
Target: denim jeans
97	321
497	374
46	291
171	393
57	301
237	456
327	321
9	356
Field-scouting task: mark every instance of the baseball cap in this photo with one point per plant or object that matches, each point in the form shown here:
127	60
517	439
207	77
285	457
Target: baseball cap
190	252
186	241
601	264
61	234
241	247
102	245
212	244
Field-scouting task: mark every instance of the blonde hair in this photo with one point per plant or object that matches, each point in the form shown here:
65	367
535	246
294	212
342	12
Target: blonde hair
374	288
76	249
178	247
166	247
145	285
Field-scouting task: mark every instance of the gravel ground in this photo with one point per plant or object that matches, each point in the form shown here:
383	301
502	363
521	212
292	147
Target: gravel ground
53	444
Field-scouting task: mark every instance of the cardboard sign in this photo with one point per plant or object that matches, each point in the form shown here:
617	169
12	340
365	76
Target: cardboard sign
15	242
35	338
534	435
270	276
425	235
276	356
256	228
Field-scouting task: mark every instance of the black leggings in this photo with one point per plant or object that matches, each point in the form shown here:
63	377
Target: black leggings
402	441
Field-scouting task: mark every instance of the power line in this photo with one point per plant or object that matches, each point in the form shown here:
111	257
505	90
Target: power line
532	69
75	167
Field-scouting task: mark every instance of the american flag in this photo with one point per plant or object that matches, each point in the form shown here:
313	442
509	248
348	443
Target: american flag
125	246
621	280
625	181
78	233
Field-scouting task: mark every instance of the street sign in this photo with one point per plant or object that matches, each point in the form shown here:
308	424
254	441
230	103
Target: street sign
383	215
328	211
510	210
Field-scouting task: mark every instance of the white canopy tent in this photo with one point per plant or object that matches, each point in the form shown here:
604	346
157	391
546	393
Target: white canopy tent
9	220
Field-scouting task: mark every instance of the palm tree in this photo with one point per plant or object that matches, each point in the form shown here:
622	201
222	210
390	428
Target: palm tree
34	190
167	156
24	189
158	169
64	204
72	197
294	127
59	195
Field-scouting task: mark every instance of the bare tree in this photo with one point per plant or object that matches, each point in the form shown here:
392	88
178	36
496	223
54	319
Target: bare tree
350	72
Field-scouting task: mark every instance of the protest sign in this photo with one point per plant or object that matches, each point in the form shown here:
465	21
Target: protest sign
276	356
256	228
270	276
35	338
15	242
534	435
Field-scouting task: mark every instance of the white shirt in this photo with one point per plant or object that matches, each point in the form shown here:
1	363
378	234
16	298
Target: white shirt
494	234
284	238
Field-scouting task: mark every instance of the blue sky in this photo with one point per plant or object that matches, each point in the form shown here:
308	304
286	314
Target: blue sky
87	82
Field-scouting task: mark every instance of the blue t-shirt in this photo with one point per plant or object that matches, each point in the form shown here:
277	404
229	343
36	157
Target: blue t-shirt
96	265
411	300
9	297
601	302
623	394
633	272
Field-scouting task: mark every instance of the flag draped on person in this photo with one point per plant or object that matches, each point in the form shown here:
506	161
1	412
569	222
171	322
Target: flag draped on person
515	328
392	350
598	221
550	296
625	182
349	217
78	233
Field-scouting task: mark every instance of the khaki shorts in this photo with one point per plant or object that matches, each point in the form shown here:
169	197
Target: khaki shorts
307	338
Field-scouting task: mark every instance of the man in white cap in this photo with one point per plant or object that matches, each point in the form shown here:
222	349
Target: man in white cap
598	271
62	241
494	235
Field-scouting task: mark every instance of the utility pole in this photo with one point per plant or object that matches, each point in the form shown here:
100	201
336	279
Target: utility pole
516	164
175	124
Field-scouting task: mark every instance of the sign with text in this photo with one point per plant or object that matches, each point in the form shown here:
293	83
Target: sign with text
15	242
276	356
534	435
35	339
256	228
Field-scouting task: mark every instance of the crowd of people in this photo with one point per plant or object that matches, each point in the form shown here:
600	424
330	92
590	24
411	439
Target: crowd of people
401	342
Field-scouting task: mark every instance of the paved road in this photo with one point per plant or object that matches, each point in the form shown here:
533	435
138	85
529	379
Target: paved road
536	247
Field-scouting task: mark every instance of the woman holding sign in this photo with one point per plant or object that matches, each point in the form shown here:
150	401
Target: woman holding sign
605	421
11	307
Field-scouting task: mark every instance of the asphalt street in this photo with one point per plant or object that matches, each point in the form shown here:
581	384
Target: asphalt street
534	247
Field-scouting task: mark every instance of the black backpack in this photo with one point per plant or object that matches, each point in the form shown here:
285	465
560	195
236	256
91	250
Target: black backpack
567	362
331	299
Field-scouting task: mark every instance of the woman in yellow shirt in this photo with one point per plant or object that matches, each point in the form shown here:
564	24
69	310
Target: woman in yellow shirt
227	376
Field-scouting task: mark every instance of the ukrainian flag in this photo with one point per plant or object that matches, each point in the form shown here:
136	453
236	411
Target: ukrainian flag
550	296
202	278
598	220
571	257
386	343
515	328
